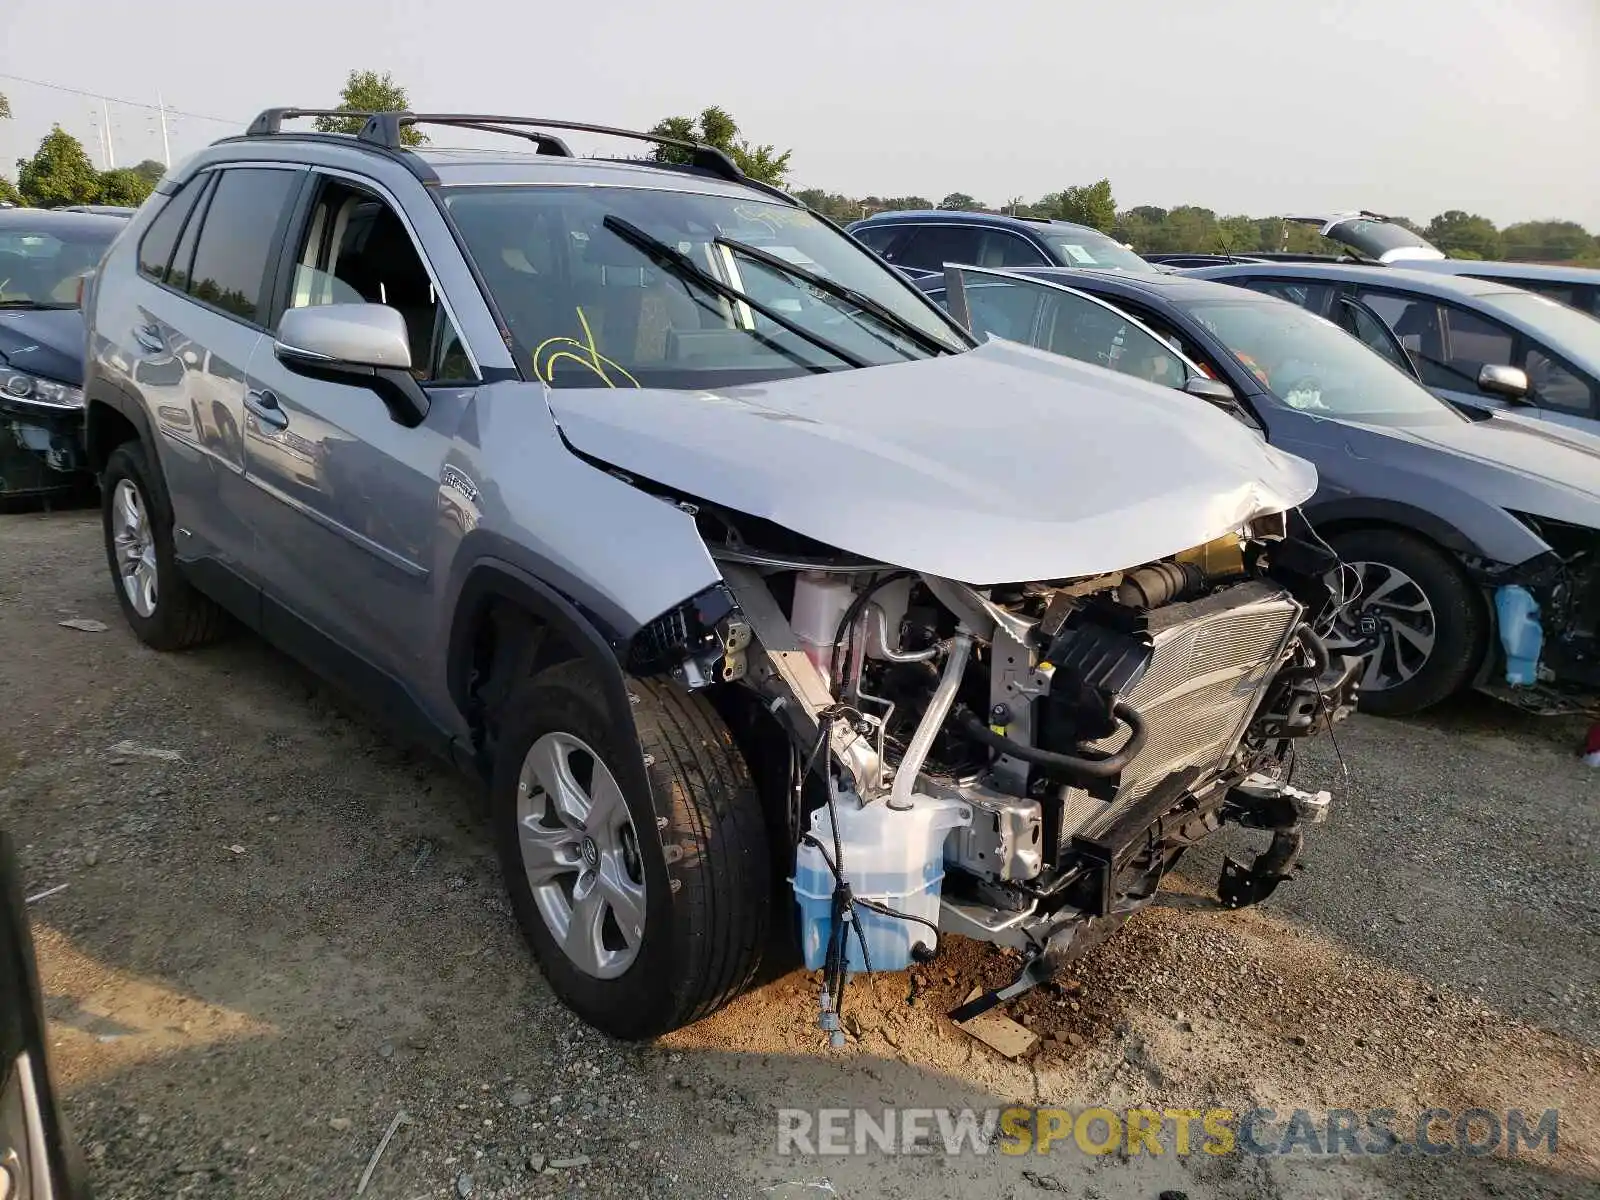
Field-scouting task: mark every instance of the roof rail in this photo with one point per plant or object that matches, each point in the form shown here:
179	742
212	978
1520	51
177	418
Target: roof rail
382	130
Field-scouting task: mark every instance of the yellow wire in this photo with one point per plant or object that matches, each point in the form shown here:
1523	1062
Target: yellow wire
593	362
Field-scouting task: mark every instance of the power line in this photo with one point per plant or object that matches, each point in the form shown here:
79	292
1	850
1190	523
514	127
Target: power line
177	112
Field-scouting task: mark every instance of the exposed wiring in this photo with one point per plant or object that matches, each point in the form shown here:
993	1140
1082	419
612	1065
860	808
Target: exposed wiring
1349	585
1333	738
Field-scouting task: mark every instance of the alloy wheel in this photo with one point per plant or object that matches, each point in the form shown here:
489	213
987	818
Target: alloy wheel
580	852
1392	623
135	546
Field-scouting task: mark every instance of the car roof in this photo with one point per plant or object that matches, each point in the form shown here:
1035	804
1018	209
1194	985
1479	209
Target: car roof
1175	288
1512	271
47	220
960	216
1424	282
454	166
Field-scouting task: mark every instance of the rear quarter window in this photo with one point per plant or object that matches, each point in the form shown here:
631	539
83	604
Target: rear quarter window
161	238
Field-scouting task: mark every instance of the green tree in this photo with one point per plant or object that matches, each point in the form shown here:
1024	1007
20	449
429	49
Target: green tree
1546	241
1237	235
5	108
898	203
1464	235
1090	204
124	185
833	205
150	170
8	192
58	173
368	92
960	202
716	127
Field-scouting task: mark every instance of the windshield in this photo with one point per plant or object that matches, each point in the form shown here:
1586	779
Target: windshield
1086	248
1312	365
41	268
594	302
1569	331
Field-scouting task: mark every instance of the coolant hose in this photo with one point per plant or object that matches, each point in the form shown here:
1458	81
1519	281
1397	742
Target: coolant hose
905	775
1318	650
1092	768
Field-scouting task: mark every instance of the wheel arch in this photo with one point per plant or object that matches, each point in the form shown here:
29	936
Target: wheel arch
112	417
1341	516
507	623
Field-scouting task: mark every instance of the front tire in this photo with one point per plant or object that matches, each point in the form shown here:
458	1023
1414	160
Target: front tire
1428	619
646	909
162	608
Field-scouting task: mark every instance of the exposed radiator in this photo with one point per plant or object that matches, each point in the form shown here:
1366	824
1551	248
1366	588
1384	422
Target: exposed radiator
1212	659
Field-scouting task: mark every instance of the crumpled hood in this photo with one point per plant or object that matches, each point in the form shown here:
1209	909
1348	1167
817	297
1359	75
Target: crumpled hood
44	342
997	465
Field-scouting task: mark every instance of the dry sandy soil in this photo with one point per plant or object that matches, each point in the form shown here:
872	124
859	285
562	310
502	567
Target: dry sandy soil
280	930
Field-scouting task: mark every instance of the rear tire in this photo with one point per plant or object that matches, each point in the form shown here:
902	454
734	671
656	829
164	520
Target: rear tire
691	853
163	609
1454	609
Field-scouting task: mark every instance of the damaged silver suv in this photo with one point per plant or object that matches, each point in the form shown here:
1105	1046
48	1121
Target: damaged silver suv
763	599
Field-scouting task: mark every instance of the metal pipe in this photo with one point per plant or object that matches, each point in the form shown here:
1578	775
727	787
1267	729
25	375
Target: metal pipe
900	656
905	775
790	562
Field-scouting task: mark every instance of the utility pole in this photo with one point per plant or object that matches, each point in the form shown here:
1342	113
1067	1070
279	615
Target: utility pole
166	144
111	154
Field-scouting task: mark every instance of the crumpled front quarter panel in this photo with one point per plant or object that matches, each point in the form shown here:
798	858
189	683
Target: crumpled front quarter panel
621	555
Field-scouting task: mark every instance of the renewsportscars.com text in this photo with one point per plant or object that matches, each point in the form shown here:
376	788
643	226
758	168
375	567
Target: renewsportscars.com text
1177	1131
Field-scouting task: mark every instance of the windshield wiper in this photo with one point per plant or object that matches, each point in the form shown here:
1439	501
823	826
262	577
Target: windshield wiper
840	292
672	259
35	305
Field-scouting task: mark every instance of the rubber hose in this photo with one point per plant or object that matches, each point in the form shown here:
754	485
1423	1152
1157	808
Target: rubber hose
1090	768
1158	584
1318	650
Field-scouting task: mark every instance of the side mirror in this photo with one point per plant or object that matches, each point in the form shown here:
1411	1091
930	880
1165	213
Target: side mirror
1509	382
1213	391
363	345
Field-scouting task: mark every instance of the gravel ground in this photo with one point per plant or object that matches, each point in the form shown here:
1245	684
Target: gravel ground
280	930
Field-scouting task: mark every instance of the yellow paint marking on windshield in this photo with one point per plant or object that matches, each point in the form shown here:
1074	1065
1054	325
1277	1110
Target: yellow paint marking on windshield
584	353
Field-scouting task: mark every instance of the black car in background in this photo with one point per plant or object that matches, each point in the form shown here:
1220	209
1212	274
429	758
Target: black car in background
923	241
45	255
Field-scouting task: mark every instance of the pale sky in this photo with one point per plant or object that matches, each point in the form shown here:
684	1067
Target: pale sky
1256	106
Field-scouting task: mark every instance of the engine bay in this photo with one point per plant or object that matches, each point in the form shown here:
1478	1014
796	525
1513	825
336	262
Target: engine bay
1062	740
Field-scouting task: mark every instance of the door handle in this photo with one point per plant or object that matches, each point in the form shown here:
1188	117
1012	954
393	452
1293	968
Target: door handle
264	406
150	338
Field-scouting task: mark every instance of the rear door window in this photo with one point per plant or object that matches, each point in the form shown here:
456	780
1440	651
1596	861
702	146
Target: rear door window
880	239
244	226
1001	248
929	247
